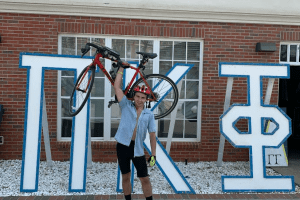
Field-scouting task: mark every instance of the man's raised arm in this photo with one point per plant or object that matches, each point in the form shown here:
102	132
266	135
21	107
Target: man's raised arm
117	84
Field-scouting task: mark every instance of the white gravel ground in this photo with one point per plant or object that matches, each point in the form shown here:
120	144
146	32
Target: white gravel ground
204	178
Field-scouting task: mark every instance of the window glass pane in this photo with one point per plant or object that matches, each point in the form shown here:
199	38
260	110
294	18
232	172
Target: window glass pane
96	127
193	87
67	86
68	45
149	67
165	50
178	129
179	50
97	108
115	111
193	49
68	73
98	88
182	91
114	127
66	127
164	66
163	128
191	109
147	46
81	42
65	107
194	71
190	129
293	52
283	53
180	110
119	46
132	47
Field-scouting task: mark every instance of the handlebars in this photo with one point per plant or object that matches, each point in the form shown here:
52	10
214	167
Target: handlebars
105	51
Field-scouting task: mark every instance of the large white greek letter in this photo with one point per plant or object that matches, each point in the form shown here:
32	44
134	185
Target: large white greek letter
257	140
36	65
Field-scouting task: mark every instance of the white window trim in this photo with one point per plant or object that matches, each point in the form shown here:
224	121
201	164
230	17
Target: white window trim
107	118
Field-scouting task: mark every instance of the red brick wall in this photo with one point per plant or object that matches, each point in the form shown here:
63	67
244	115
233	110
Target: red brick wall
223	42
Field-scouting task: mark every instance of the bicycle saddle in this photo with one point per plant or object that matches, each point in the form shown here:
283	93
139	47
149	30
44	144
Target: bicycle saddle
148	55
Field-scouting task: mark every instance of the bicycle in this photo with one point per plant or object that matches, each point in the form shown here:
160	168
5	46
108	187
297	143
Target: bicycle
163	90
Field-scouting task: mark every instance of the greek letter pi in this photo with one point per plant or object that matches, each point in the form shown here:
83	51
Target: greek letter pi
256	139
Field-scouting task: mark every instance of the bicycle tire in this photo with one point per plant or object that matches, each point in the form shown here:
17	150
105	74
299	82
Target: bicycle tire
81	97
164	93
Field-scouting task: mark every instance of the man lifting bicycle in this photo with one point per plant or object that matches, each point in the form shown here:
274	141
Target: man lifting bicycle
135	120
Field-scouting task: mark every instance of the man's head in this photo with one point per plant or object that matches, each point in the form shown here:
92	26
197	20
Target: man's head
140	94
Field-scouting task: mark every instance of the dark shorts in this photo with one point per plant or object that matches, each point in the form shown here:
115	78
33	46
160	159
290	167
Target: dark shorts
125	154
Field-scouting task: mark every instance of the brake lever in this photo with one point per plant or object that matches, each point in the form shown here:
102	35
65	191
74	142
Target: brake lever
85	50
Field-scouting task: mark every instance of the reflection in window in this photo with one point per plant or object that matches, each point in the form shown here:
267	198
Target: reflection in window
193	49
119	46
179	50
147	46
68	46
193	87
283	53
66	127
67	85
166	50
81	42
98	87
97	127
97	108
132	47
114	127
293	53
190	129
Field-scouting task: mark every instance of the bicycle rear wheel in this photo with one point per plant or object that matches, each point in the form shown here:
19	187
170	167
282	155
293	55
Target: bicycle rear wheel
81	90
164	89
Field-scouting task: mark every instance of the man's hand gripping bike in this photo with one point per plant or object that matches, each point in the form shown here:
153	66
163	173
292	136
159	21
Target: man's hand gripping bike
163	91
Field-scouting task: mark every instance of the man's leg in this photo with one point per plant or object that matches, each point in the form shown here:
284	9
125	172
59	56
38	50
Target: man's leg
123	154
146	185
126	183
142	172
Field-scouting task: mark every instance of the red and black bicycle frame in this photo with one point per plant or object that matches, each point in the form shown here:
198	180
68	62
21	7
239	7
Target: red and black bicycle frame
97	62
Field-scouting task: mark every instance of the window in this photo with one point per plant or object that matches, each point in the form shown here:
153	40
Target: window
104	126
171	52
289	53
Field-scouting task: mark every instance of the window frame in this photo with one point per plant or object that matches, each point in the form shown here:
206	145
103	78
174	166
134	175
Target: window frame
297	63
107	117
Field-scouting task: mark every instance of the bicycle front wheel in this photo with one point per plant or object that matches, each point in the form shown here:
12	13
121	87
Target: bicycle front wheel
165	91
81	90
